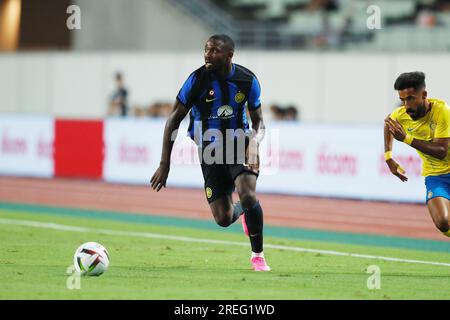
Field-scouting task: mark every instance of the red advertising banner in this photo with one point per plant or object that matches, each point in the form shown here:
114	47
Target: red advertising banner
78	148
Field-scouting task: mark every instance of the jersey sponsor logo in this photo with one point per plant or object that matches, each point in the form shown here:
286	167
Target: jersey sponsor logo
225	112
208	192
239	97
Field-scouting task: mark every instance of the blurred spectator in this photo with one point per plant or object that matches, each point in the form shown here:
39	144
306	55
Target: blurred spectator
159	109
438	5
424	14
426	19
138	111
323	5
155	110
291	113
443	5
118	104
277	112
284	113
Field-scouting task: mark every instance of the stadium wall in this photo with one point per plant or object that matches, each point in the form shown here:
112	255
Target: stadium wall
347	88
296	159
155	25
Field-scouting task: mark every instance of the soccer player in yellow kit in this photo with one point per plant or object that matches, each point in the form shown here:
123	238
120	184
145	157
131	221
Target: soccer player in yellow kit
424	124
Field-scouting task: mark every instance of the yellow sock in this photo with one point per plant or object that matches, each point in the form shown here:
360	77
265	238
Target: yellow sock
447	233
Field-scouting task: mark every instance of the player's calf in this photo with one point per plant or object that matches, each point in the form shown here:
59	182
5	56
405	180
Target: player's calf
439	212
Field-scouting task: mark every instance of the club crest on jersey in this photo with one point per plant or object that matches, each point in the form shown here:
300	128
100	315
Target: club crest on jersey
208	192
211	92
239	97
430	194
225	112
432	126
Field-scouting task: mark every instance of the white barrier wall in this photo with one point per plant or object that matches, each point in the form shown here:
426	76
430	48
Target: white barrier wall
133	151
339	161
343	88
26	146
321	160
318	160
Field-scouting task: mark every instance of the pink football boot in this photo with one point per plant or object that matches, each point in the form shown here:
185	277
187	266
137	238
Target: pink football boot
259	264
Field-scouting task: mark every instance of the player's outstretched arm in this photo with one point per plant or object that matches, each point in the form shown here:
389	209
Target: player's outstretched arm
437	148
394	167
177	115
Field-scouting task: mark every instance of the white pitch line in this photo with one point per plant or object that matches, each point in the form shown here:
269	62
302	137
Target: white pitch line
61	227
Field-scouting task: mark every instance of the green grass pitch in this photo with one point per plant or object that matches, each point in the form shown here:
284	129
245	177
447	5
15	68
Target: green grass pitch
34	260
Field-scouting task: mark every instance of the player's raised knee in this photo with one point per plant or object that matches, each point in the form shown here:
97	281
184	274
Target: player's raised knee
248	199
223	220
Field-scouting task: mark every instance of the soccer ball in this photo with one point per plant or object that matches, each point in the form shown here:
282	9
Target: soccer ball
91	259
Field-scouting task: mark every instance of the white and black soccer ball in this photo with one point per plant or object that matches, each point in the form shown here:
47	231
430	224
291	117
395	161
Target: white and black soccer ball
91	259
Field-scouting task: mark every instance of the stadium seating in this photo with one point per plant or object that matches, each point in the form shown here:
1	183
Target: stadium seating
295	21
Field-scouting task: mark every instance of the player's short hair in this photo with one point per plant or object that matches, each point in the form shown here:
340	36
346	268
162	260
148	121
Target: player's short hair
408	80
229	43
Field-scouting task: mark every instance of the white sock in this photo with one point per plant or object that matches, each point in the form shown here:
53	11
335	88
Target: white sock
261	254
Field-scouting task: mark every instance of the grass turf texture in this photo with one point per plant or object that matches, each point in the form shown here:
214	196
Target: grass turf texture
33	263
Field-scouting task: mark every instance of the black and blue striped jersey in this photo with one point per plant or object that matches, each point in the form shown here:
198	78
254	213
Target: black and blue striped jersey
219	103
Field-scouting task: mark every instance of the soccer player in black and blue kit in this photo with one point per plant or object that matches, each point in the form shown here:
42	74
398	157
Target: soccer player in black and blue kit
216	96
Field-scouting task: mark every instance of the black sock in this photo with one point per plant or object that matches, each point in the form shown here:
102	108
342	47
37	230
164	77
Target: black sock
237	211
254	221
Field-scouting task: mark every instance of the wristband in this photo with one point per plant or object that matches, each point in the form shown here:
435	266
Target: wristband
408	139
387	155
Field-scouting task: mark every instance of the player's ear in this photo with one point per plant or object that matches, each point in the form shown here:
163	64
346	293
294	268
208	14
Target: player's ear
424	94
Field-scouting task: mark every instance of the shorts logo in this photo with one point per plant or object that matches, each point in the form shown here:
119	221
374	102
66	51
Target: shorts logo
239	97
430	194
208	192
225	112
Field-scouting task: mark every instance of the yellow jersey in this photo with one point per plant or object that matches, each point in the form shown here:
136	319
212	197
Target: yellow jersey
435	124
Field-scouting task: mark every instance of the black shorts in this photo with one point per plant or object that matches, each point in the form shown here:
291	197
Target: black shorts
219	178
